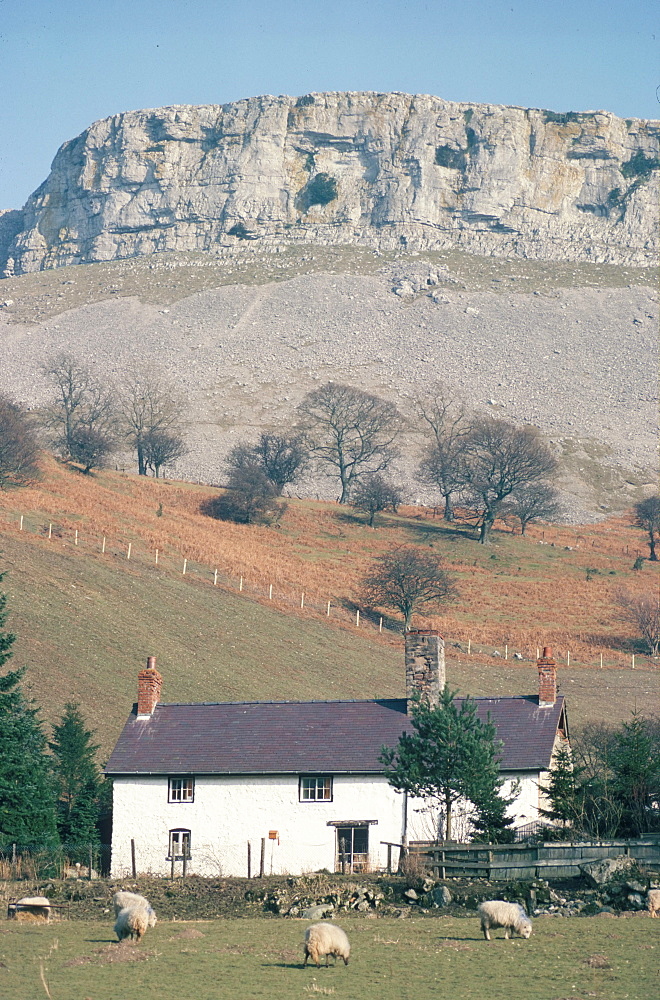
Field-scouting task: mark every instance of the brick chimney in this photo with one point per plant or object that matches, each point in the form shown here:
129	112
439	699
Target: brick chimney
149	685
425	665
547	678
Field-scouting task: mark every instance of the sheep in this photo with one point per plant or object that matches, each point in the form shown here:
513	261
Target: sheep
510	916
128	900
653	901
132	922
326	939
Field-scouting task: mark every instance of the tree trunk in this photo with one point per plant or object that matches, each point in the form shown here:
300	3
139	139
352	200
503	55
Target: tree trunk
449	509
484	531
448	829
653	556
142	467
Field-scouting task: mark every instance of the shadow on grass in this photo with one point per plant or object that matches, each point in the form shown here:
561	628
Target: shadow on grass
101	941
285	965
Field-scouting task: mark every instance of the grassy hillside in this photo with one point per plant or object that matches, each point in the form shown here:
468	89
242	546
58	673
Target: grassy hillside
86	619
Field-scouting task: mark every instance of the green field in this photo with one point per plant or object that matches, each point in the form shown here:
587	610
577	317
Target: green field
611	959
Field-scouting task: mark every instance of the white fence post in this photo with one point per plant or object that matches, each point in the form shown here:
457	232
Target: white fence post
21	524
240	586
302	599
357	618
128	554
185	564
215	578
328	611
103	545
270	592
380	625
156	557
50	531
75	540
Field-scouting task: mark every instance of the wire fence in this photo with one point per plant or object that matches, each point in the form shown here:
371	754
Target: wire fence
338	609
68	860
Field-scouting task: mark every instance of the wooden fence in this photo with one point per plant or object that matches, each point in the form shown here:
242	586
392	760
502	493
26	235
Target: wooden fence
550	860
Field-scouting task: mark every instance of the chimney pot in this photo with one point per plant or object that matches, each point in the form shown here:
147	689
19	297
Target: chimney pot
149	685
425	665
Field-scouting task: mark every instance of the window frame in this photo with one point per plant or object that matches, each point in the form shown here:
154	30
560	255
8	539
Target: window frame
183	779
185	842
327	779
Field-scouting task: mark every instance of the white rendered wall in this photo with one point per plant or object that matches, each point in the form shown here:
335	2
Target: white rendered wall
227	812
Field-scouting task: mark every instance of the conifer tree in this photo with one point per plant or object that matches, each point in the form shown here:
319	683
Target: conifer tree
77	778
450	756
27	802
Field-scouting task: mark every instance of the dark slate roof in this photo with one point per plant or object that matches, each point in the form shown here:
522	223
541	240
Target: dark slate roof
308	737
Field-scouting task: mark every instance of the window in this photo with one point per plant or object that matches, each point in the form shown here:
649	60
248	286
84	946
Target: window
179	845
181	789
352	849
316	789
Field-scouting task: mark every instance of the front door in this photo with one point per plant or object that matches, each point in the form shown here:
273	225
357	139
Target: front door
352	849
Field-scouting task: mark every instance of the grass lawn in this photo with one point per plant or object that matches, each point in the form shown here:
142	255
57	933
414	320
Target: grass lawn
609	958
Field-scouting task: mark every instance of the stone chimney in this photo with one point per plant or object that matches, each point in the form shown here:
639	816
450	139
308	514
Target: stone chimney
149	685
547	678
425	665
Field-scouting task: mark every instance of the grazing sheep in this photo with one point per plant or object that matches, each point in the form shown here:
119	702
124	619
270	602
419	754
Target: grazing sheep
653	901
32	908
326	939
510	916
132	922
130	900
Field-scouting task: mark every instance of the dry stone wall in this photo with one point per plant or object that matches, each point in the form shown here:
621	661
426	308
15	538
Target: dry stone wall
383	170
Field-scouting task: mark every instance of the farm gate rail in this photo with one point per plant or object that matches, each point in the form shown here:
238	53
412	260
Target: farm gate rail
551	860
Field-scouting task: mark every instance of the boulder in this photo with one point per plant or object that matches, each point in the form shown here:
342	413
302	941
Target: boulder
440	896
600	873
317	912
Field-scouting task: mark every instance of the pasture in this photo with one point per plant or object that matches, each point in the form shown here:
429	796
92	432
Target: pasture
612	958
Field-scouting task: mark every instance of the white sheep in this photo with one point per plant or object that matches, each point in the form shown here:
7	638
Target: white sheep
510	916
326	939
653	901
130	900
132	922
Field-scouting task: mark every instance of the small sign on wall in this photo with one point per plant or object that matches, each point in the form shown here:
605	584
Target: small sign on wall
274	835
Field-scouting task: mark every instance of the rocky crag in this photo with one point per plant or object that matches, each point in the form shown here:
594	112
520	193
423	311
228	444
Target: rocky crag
382	170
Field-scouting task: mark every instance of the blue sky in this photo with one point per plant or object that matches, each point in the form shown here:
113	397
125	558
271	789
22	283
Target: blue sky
66	63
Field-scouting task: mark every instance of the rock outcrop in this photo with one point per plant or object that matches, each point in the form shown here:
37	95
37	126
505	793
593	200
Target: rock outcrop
380	169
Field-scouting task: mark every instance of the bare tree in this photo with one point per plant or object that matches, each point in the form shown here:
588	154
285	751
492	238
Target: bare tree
162	448
283	457
407	580
534	502
500	460
647	516
374	493
250	498
19	451
642	611
442	463
150	405
350	431
90	447
83	410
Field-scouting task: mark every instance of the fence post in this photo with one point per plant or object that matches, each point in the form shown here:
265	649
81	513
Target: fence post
185	564
91	859
215	578
50	531
75	540
302	599
133	868
262	859
103	546
601	661
328	611
380	625
568	657
270	592
128	554
469	646
156	557
633	661
357	617
21	524
249	860
389	859
240	585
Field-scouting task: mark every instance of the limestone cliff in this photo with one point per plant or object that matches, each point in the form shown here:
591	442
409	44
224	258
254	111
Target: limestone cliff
380	169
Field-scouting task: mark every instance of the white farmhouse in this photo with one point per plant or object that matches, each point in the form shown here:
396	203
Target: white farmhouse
235	788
